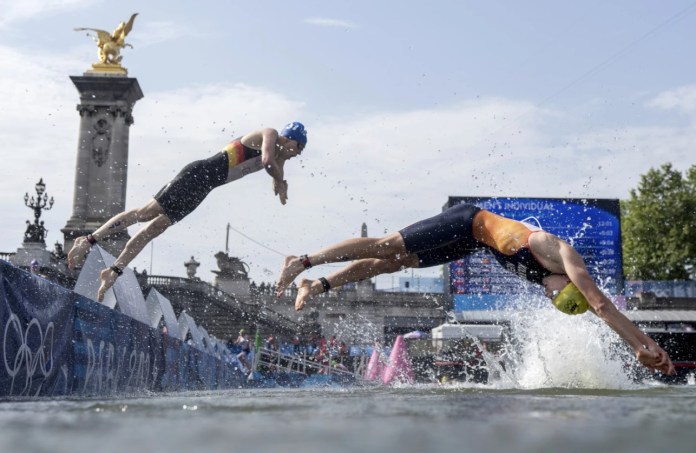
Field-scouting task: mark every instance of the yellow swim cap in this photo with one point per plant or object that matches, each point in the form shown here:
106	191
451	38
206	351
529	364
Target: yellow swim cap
571	301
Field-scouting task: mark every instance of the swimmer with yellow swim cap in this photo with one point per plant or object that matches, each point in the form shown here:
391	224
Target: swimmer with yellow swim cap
570	300
528	252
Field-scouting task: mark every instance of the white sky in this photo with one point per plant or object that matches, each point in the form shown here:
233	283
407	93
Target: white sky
405	104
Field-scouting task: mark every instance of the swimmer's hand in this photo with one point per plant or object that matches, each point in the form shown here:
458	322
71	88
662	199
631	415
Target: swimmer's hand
281	189
655	358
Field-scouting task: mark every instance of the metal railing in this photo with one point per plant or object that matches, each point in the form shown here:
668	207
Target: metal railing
278	361
215	293
5	256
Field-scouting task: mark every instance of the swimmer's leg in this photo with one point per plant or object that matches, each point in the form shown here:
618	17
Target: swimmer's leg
387	247
354	272
133	247
118	223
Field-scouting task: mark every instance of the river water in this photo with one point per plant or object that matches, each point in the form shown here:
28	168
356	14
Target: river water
565	387
419	418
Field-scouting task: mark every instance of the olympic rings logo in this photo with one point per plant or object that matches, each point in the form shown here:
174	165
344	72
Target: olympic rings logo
25	359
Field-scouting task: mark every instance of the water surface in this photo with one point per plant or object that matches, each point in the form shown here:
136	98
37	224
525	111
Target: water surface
648	418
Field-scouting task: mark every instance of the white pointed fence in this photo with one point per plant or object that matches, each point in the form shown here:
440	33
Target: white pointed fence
61	342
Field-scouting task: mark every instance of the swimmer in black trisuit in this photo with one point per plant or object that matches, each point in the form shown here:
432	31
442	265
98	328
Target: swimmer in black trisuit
264	148
531	253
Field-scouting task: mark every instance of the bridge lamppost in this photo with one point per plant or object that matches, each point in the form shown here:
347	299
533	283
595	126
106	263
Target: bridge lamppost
36	232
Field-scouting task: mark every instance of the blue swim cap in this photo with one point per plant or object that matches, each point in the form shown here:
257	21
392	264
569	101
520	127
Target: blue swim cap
295	131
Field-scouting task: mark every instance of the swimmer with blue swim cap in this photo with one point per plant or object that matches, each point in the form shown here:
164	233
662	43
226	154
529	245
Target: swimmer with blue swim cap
295	131
262	149
530	253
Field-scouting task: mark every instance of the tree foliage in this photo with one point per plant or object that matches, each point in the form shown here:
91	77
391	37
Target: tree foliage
659	226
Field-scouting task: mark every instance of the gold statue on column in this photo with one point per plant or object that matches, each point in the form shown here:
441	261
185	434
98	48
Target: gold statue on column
110	45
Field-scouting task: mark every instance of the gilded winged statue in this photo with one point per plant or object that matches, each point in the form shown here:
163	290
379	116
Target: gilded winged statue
110	44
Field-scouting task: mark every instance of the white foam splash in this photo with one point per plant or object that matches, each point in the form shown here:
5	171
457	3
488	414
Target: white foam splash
552	350
545	349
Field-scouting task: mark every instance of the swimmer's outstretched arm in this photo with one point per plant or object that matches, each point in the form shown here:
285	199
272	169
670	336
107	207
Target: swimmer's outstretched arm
646	349
560	257
273	164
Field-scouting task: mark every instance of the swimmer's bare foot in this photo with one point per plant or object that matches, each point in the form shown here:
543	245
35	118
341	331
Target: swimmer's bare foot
306	291
78	252
107	277
292	267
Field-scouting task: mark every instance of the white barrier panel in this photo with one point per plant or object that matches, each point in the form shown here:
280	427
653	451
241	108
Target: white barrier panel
53	350
196	336
88	281
154	310
183	326
159	306
125	293
221	349
209	340
215	345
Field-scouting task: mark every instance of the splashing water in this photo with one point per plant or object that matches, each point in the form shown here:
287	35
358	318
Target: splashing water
545	349
552	350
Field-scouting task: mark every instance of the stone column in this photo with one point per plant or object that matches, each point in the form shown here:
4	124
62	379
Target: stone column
101	175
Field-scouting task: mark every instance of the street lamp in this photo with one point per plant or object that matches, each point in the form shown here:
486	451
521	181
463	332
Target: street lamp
36	231
40	187
191	267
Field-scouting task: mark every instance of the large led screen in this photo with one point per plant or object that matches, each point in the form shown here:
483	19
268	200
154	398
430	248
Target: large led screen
592	226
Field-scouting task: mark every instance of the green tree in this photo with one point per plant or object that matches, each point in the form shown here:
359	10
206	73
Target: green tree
658	226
